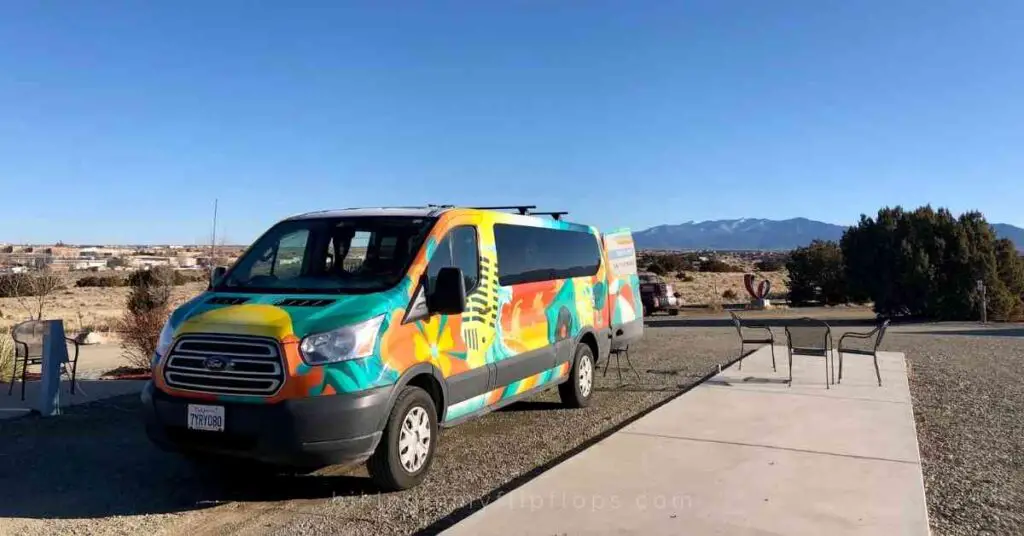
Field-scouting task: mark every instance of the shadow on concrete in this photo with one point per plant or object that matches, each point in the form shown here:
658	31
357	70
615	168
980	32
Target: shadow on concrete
95	461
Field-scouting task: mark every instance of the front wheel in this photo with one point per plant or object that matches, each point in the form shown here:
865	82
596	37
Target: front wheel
576	392
407	446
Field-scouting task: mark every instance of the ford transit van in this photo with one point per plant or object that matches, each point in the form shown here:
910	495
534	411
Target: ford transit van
356	334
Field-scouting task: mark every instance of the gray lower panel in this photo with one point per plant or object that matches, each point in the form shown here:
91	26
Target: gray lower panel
467	385
525	364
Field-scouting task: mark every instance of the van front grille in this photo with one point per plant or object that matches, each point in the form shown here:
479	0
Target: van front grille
228	365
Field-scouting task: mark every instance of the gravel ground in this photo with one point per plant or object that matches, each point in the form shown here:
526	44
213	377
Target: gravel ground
90	473
968	389
93	471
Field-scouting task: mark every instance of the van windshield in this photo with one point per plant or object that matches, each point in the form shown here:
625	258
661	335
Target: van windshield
329	255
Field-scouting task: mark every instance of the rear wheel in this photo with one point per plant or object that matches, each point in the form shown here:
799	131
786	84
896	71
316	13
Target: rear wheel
576	392
407	447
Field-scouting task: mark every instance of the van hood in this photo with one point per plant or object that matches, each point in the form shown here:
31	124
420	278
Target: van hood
281	316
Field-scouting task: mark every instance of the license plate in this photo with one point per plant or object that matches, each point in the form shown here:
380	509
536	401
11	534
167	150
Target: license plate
209	418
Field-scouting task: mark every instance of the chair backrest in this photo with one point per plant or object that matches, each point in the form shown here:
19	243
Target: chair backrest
808	333
881	334
28	336
738	322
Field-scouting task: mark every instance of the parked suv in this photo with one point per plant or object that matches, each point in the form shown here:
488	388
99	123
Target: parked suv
354	334
656	295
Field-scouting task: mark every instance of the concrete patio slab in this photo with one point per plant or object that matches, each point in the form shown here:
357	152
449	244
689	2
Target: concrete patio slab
743	453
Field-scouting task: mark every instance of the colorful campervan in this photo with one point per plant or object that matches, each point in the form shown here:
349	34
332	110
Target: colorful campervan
354	334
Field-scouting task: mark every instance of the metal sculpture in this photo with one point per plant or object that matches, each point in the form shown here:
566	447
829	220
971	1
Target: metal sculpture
760	294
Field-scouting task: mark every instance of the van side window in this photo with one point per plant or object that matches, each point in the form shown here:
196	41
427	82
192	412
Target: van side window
528	254
458	249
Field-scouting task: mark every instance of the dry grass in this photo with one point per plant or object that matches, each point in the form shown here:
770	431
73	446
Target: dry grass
707	288
92	308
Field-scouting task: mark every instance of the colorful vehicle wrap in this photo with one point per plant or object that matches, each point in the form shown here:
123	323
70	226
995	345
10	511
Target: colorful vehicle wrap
499	323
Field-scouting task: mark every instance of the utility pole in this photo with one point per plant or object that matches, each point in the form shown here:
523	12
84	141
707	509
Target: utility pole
213	238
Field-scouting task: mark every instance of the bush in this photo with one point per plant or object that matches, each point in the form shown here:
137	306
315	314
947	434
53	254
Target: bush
729	294
656	268
771	264
685	277
6	357
816	274
718	266
102	281
147	308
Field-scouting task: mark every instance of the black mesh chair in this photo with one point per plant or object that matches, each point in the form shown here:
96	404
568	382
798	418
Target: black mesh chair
28	351
810	337
872	339
754	334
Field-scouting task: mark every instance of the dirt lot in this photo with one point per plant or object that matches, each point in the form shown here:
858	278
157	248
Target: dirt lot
93	307
967	387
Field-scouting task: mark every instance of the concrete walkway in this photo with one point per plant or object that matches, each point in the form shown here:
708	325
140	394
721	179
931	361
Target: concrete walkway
741	454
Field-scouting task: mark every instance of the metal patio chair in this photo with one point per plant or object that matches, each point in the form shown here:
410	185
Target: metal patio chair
753	338
873	337
28	351
810	337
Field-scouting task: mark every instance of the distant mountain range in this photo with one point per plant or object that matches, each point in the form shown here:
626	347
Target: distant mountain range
761	234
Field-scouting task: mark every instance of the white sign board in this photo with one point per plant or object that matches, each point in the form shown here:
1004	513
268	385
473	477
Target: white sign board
621	253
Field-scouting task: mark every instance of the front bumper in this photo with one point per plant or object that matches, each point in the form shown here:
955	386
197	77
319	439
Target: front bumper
310	432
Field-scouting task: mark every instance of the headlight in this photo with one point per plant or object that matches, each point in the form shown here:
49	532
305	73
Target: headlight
349	342
163	342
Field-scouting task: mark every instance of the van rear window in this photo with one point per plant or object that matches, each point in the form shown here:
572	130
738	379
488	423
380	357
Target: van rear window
528	254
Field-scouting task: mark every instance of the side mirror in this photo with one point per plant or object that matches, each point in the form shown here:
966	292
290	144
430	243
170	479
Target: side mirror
676	294
217	275
448	295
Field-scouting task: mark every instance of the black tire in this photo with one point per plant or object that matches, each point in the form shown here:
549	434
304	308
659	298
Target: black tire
572	392
385	465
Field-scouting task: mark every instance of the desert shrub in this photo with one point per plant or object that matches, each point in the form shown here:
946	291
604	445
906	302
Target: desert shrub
656	268
146	310
816	274
102	281
685	277
183	277
926	263
771	264
718	266
33	291
729	294
6	357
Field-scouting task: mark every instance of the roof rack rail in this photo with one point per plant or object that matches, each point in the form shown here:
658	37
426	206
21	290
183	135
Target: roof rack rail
557	214
523	209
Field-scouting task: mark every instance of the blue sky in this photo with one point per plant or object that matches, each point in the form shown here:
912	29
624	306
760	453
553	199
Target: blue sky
122	121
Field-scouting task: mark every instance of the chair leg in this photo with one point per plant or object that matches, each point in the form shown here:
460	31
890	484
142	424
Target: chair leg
607	363
74	372
827	386
773	356
741	356
24	367
618	366
790	352
877	373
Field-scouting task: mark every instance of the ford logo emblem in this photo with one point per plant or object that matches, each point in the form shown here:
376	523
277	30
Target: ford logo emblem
216	363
